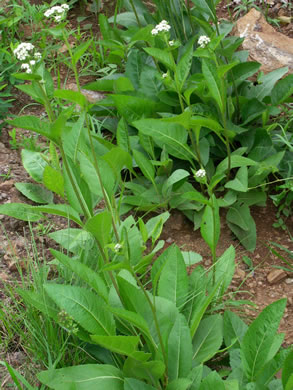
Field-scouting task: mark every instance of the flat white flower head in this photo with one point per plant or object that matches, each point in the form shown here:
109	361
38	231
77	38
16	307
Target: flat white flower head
171	43
200	173
163	26
57	12
164	75
117	247
203	41
22	52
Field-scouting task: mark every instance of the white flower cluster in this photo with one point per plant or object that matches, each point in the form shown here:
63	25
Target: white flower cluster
163	26
200	173
203	41
57	12
25	51
22	52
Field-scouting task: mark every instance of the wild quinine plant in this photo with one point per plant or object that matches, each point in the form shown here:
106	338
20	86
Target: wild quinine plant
191	106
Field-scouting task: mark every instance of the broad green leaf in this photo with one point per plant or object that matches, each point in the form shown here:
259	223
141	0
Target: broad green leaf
236	161
208	338
34	164
289	385
162	56
179	176
210	224
26	76
118	158
132	108
33	123
173	282
84	377
127	19
53	180
40	301
133	318
212	381
64	210
85	307
197	197
214	83
145	165
134	66
244	70
73	240
83	272
100	226
135	384
184	64
179	384
256	347
20	211
240	182
282	90
89	173
191	258
151	370
224	269
124	345
80	50
242	225
72	96
195	376
153	222
234	329
201	306
267	83
179	350
287	371
172	135
251	110
273	367
35	192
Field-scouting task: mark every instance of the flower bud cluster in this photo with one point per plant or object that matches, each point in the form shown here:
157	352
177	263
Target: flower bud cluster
57	12
25	52
162	26
200	173
203	41
67	322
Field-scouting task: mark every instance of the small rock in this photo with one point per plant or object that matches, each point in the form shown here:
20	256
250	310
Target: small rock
289	281
240	274
169	240
265	45
275	276
6	185
92	96
290	301
3	276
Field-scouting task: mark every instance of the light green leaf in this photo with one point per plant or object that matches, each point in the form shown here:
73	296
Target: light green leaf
80	50
172	135
63	210
256	347
53	180
151	370
162	56
224	269
124	345
282	90
35	192
72	96
83	272
20	211
100	226
179	349
212	381
84	377
145	165
234	329
208	338
85	307
287	372
240	183
210	224
34	164
72	239
214	83
191	258
173	282
135	384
